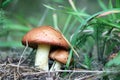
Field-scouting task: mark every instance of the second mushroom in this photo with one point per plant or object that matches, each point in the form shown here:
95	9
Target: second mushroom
60	56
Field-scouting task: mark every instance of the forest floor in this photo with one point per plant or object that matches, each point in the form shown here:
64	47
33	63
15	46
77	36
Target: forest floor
15	65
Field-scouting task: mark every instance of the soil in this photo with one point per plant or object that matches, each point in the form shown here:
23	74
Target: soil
16	64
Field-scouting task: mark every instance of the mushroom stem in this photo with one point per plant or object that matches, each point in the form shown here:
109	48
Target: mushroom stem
56	66
41	58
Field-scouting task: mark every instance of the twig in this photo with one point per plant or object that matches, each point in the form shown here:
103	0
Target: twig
30	71
22	56
13	65
71	46
74	71
87	77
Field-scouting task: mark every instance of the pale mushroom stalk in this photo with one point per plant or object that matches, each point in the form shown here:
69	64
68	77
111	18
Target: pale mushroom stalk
56	66
41	58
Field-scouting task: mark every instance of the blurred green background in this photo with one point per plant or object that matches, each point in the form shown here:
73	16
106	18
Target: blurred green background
18	16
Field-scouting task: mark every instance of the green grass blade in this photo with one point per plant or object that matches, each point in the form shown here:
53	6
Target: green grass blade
110	4
43	17
69	59
49	7
66	24
72	25
110	24
102	5
55	21
111	7
10	44
117	4
17	27
79	14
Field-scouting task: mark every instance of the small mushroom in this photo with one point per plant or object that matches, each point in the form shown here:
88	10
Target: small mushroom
43	38
60	56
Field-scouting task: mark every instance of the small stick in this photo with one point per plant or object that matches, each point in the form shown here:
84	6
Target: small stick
22	57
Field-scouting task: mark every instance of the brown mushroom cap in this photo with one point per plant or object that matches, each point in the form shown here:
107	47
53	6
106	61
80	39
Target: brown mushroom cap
59	55
44	35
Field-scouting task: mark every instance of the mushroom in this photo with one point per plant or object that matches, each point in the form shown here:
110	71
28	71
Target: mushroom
43	38
60	56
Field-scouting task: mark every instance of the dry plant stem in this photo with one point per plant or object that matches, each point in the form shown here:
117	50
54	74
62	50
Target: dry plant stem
107	13
74	71
57	28
41	59
56	66
22	56
88	77
29	72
